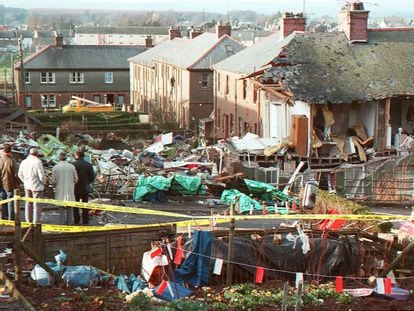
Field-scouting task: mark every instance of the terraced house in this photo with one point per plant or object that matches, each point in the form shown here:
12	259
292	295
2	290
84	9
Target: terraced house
49	78
175	82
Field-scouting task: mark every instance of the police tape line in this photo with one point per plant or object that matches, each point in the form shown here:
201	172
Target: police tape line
195	220
105	207
139	210
76	228
6	201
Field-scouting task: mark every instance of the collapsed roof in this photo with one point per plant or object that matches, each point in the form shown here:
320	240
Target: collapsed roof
326	67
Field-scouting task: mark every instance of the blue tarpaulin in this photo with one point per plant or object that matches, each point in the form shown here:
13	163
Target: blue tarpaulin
195	269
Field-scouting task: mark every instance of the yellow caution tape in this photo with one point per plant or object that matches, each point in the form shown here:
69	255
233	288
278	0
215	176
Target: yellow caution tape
6	201
195	220
105	207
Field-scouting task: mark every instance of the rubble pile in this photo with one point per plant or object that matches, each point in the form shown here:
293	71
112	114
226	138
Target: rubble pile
166	165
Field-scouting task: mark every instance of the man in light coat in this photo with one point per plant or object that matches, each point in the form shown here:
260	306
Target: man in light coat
32	174
64	178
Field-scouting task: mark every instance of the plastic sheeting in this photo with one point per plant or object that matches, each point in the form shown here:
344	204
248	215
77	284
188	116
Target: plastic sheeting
150	184
195	269
181	184
229	196
326	257
172	292
131	284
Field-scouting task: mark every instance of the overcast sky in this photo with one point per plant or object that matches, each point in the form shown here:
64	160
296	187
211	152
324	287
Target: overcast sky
318	7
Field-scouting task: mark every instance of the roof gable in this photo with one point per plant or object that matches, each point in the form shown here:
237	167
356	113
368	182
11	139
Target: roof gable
146	58
199	53
254	57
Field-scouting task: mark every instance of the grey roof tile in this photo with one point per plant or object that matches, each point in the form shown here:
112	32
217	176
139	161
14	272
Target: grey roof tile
83	57
201	52
325	67
256	56
146	58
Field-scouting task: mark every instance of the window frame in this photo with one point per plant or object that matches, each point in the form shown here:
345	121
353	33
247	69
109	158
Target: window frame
47	77
76	77
205	79
48	100
26	77
107	74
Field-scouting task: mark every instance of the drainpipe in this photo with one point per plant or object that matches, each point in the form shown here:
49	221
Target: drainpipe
215	109
259	131
236	119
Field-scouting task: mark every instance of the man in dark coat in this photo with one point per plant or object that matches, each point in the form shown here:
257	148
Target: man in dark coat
9	180
86	176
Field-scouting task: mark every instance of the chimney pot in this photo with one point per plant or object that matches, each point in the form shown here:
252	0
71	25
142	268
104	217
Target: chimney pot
223	29
293	22
353	21
174	33
58	40
148	42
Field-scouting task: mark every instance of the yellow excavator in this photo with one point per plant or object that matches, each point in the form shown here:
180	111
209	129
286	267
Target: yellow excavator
79	104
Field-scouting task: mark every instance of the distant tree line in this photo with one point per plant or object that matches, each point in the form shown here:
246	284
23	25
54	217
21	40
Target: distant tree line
12	16
46	19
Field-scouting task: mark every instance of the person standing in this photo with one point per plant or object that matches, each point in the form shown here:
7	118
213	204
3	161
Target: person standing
9	179
86	176
64	178
32	174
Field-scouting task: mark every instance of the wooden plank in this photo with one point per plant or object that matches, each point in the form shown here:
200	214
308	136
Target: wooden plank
15	293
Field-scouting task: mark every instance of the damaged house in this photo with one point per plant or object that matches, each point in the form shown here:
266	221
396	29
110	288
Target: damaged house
338	97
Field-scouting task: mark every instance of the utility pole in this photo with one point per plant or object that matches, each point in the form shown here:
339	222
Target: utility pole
22	96
13	82
5	81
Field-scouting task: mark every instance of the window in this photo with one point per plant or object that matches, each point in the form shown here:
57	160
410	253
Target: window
48	100
27	77
76	77
227	85
218	82
28	101
121	100
204	80
244	88
97	98
109	77
255	94
229	50
47	77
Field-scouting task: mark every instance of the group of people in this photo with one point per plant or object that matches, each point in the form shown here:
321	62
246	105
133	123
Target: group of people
72	182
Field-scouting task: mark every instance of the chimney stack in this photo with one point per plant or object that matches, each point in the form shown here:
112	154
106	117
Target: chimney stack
293	22
174	33
148	42
195	33
58	40
353	20
223	29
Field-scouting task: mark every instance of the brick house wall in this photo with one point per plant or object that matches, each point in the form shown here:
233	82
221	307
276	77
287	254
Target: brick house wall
93	88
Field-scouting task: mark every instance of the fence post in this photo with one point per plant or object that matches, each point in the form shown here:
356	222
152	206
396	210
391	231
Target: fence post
17	240
229	278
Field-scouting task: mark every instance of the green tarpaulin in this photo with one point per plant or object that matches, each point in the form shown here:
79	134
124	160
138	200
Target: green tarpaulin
180	184
151	184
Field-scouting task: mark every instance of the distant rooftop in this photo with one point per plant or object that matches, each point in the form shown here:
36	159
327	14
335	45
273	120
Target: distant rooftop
123	30
82	57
